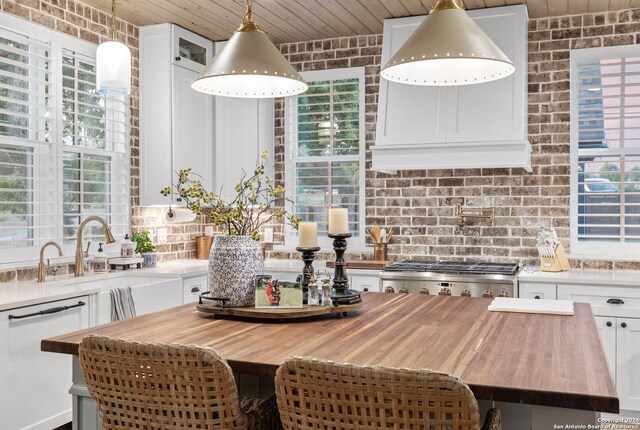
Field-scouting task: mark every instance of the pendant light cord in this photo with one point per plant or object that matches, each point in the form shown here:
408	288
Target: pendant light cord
113	20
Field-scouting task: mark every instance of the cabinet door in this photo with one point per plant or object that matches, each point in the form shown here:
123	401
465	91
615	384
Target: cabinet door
157	296
628	363
192	143
408	114
534	290
607	331
34	385
193	287
493	111
244	127
189	50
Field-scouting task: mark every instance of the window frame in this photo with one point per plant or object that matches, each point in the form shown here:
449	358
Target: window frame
357	242
593	249
59	43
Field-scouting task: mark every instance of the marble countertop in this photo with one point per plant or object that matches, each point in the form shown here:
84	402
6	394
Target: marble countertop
629	278
24	293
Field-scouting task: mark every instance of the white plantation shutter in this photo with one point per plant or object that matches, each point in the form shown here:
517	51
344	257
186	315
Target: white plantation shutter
605	126
27	169
64	149
325	150
95	160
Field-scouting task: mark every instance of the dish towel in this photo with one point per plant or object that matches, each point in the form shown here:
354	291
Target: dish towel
122	305
532	306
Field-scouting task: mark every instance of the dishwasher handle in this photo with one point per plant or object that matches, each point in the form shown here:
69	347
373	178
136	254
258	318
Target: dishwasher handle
47	311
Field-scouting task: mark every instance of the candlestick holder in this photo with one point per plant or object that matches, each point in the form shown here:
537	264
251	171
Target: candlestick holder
340	293
308	255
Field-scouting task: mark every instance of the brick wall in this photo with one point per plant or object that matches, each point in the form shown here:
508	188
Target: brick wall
420	204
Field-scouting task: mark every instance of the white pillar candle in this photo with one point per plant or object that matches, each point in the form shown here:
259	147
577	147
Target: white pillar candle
338	221
308	232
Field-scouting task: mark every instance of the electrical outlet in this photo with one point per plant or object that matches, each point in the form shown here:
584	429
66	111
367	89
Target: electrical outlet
162	236
268	235
208	230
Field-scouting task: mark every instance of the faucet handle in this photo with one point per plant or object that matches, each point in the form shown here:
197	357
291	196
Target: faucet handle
86	252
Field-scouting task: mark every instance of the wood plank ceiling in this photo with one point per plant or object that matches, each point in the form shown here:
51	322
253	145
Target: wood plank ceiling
301	20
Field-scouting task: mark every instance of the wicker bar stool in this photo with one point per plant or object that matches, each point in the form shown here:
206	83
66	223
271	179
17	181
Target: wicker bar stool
316	394
158	386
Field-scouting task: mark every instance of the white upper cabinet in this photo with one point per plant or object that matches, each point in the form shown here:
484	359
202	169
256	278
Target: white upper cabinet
176	122
244	127
470	126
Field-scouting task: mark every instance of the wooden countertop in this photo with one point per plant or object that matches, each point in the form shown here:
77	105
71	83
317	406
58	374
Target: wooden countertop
535	359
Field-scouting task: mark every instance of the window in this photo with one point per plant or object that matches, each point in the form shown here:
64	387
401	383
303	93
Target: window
605	151
325	151
63	147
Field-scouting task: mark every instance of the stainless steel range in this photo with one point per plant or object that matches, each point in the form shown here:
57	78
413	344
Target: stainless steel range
450	278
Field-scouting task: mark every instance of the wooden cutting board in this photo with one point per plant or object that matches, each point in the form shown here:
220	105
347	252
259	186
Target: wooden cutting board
365	264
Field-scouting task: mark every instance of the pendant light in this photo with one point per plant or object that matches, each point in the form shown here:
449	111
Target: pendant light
249	66
448	48
113	63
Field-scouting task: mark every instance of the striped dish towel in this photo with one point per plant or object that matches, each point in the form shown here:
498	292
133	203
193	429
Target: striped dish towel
122	306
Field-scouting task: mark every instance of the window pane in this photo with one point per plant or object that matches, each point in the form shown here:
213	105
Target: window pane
86	186
608	104
328	119
16	184
84	109
609	198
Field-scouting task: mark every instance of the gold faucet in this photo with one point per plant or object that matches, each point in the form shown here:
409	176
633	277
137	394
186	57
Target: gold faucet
79	271
41	264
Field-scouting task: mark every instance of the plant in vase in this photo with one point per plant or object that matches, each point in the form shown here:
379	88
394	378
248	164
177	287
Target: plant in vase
145	248
236	258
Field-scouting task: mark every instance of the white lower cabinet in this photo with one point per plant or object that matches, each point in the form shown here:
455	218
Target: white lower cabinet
34	385
617	315
193	287
621	341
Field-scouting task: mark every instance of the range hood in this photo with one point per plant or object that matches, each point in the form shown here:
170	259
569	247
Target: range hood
472	126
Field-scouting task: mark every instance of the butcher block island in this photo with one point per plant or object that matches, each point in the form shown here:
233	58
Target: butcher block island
547	369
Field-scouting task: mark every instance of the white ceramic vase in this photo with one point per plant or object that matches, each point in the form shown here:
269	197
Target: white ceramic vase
234	263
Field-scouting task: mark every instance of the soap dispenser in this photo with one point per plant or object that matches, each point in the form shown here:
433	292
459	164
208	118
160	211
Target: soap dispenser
100	261
127	248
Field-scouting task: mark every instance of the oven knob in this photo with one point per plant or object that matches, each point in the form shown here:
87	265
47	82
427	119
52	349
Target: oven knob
444	291
503	293
487	294
389	290
465	293
424	290
404	290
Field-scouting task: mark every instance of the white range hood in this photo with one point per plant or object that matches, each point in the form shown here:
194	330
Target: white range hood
471	126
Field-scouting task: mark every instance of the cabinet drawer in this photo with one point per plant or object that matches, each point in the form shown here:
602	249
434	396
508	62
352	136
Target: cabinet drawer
533	290
611	301
193	287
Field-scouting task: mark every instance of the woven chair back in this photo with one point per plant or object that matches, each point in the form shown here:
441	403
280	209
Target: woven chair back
157	386
316	394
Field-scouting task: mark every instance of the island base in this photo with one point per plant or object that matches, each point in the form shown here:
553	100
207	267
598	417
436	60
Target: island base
514	415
